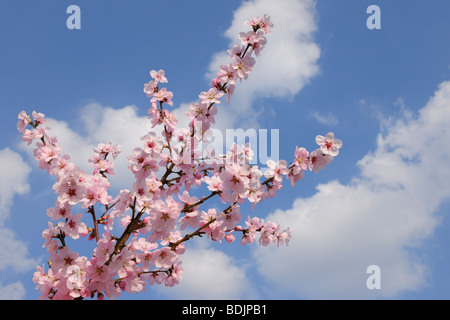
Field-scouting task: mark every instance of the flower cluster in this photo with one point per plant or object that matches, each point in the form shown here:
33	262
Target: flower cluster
160	205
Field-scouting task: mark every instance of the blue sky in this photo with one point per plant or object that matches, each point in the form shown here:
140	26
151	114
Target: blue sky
385	93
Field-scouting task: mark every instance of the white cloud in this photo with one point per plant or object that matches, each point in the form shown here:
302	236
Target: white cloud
328	119
13	291
101	125
287	63
202	265
13	179
14	256
118	126
210	274
378	218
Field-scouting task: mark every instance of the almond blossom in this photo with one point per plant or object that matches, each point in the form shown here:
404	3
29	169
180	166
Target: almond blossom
328	144
158	213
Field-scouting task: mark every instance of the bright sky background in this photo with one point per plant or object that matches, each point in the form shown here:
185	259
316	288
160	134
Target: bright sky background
385	93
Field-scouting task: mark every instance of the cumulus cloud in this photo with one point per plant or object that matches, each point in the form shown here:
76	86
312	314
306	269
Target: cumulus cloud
210	274
14	174
287	63
101	124
13	291
328	119
14	256
379	218
202	264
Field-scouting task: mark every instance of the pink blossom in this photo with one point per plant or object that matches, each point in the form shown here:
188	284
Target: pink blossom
46	154
154	278
243	66
239	154
211	96
268	233
24	121
301	158
214	183
64	259
198	110
97	272
284	237
229	90
235	178
276	170
48	234
150	88
164	258
73	227
187	199
261	23
144	246
318	161
29	135
163	217
152	143
61	165
190	219
147	189
76	282
249	37
163	95
39	118
169	121
253	225
295	174
168	169
236	51
69	188
158	76
122	202
96	191
227	74
328	144
46	282
104	149
175	275
229	237
232	218
59	211
258	46
256	40
142	163
104	249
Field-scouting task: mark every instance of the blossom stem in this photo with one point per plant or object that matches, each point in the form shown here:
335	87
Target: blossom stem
165	130
191	235
92	211
203	199
198	232
245	51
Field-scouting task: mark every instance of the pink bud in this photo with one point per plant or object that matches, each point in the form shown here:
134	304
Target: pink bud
229	238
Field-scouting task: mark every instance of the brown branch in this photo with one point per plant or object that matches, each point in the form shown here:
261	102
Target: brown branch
198	232
92	211
191	235
203	199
